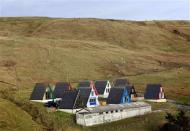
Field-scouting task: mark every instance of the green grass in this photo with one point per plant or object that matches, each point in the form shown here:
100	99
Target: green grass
65	121
142	123
184	99
13	118
51	50
147	122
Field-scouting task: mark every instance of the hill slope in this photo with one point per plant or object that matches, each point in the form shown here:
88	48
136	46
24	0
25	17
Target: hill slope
50	50
14	119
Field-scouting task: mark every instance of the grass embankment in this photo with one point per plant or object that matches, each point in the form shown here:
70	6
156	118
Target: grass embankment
50	50
38	117
184	100
13	118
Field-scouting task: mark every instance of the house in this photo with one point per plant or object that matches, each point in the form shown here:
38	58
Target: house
132	92
42	93
103	88
118	96
155	93
88	96
121	82
69	99
60	88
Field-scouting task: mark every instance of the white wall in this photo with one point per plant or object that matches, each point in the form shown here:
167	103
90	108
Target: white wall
96	118
108	86
93	96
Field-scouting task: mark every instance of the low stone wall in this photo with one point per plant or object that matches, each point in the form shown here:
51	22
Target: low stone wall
89	119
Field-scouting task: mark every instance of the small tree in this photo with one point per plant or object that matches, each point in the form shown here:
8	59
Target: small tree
180	122
170	118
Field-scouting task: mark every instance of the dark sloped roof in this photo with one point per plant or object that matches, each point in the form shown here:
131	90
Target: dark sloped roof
121	82
38	91
60	87
69	99
152	91
129	89
84	94
100	86
84	84
115	95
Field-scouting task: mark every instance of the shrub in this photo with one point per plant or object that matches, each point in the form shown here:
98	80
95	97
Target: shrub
180	122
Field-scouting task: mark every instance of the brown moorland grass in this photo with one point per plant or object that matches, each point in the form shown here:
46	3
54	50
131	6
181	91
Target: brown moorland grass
50	50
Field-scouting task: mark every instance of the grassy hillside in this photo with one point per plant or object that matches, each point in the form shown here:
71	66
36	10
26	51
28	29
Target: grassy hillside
50	50
13	118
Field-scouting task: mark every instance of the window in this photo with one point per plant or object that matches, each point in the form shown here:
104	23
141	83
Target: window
47	95
126	99
116	110
101	113
92	99
107	112
107	90
111	111
121	110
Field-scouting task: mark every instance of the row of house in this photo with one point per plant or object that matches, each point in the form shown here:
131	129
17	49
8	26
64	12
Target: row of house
87	92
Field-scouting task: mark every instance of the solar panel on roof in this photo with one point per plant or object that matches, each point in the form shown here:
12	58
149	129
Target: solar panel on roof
38	91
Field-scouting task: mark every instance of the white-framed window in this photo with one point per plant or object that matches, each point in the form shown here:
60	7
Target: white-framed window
92	100
107	90
108	84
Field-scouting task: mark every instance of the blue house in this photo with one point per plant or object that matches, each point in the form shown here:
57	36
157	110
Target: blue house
124	83
118	96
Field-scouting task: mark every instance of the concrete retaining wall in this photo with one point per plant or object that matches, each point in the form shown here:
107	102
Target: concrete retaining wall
90	119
